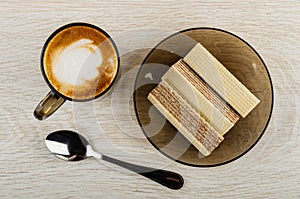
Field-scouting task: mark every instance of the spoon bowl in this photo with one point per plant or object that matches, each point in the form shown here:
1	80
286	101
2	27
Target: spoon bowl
67	145
71	146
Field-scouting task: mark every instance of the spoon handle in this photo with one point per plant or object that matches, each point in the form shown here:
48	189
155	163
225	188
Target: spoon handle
166	178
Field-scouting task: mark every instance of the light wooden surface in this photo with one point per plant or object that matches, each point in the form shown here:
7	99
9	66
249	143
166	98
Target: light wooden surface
27	170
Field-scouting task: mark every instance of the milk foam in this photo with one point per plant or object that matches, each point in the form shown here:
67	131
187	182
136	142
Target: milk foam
77	62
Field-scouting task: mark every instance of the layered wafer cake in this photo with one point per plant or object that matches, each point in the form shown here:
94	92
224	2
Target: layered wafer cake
202	99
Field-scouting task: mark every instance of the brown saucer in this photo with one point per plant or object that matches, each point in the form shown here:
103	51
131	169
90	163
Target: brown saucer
240	59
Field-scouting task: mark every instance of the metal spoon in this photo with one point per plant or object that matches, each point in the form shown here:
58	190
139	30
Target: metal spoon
71	146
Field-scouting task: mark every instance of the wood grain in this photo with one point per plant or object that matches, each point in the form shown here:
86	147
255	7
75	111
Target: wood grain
27	170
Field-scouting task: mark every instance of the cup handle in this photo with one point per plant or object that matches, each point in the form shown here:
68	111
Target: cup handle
49	104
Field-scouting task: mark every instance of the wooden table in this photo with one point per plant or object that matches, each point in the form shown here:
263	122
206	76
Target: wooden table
27	169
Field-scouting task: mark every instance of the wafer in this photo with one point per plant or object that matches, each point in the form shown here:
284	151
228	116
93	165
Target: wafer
221	80
202	99
184	118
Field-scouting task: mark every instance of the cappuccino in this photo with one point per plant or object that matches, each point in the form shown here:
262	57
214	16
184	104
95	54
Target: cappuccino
80	62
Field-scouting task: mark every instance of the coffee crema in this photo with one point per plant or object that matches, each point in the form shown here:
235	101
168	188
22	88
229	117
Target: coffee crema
80	62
